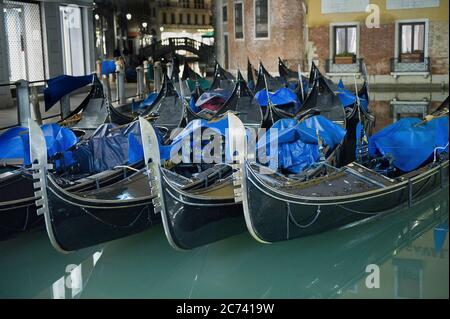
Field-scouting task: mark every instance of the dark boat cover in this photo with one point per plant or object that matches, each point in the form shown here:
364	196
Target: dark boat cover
108	147
298	147
218	95
63	85
410	143
15	142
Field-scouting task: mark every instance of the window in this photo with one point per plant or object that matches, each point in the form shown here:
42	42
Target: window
172	18
199	4
180	18
261	19
345	41
184	3
203	19
238	21
188	19
154	12
195	19
412	41
164	18
225	14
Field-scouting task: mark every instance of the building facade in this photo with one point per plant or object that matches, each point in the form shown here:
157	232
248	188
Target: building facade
43	39
401	42
259	29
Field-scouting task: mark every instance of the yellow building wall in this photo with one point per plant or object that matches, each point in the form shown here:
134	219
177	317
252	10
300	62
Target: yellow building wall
315	18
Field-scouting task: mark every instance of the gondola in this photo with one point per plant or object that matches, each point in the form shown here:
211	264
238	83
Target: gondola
197	213
291	78
251	72
76	219
194	211
264	80
222	79
241	100
125	114
278	207
17	209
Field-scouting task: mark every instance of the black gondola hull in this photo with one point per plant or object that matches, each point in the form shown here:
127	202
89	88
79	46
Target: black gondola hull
79	223
194	222
274	216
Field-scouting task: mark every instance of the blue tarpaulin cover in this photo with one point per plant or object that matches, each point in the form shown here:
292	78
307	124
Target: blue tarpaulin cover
63	85
149	100
409	142
281	97
194	127
108	67
347	98
298	147
15	142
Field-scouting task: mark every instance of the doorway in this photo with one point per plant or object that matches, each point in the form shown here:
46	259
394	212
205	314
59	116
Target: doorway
72	39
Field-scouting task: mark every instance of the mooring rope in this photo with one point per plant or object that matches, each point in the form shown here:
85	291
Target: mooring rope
297	223
119	226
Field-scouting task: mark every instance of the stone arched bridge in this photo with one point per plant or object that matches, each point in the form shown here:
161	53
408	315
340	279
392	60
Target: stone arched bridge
165	47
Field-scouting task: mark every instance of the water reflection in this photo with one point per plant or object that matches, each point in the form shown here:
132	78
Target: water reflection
410	246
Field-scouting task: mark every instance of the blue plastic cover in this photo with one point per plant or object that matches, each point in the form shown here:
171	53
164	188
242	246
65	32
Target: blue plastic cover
197	127
63	85
347	99
409	142
15	142
108	67
281	97
298	147
149	100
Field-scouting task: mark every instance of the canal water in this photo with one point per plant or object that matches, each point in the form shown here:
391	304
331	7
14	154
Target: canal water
409	247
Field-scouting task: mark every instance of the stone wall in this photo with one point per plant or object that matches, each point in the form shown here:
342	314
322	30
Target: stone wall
438	47
377	48
286	35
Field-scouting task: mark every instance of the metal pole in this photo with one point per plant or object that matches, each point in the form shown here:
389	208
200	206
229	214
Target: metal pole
146	81
23	102
158	76
121	87
65	106
106	87
300	78
35	109
140	81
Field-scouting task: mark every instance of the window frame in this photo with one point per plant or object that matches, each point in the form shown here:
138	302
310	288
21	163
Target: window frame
332	34
225	6
243	20
398	37
268	21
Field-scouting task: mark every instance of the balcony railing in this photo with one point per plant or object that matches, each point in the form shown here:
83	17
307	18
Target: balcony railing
333	67
400	66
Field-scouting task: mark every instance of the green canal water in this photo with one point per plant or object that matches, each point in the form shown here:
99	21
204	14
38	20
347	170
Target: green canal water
409	245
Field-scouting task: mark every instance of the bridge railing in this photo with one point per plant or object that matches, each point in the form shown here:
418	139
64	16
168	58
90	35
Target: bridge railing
177	43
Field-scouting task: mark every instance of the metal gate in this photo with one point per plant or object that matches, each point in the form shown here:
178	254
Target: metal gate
23	31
